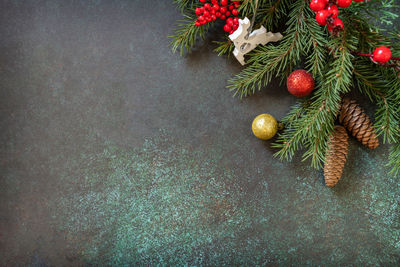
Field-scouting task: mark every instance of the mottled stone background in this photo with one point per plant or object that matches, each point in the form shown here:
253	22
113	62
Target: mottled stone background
115	151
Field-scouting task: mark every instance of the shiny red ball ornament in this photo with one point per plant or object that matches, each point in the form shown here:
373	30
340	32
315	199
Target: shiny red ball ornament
321	16
382	54
344	3
317	5
300	83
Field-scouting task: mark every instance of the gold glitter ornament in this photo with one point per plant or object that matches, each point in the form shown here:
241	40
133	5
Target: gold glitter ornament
264	126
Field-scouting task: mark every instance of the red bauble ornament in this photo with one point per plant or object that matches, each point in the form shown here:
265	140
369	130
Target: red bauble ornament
317	5
382	54
344	3
300	83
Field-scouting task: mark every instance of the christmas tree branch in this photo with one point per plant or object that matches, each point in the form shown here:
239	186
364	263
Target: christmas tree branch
314	127
187	34
270	61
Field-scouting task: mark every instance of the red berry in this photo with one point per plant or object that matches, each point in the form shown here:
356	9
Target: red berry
382	54
317	5
203	1
216	7
222	9
343	3
321	16
333	10
235	12
207	6
358	1
203	22
202	9
212	12
218	14
198	11
206	13
235	27
228	20
338	23
208	19
227	28
237	5
213	17
197	23
236	20
201	18
231	7
224	2
228	13
223	17
232	31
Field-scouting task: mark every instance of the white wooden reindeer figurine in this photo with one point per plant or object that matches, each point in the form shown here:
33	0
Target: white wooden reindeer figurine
245	42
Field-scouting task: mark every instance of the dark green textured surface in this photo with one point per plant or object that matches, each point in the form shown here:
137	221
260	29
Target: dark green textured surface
114	151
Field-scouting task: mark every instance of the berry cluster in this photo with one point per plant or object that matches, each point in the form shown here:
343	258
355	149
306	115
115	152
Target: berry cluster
223	9
327	12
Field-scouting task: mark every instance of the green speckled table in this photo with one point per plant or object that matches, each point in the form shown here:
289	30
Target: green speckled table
115	151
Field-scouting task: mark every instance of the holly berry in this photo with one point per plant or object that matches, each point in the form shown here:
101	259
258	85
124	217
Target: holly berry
381	54
317	5
222	9
333	9
227	28
344	3
358	1
321	16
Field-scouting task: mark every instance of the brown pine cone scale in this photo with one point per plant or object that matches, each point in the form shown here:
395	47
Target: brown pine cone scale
353	117
335	157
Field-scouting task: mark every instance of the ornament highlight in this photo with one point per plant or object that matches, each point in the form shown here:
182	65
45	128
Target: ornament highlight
245	42
264	126
300	83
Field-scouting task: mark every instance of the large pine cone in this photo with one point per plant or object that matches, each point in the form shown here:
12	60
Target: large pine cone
335	156
353	117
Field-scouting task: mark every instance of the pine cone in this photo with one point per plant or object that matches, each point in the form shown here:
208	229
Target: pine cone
336	154
353	117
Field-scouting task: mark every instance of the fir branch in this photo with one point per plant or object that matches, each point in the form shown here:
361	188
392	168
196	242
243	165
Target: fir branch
184	4
271	61
380	87
187	34
224	47
394	158
313	128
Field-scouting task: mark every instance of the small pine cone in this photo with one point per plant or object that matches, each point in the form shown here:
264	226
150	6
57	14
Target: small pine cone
336	154
353	117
